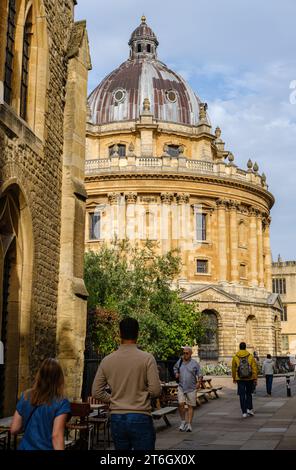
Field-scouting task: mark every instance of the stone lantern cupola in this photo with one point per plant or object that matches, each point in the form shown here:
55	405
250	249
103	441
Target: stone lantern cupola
143	42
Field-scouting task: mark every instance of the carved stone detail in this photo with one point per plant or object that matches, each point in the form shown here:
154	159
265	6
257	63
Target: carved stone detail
113	198
166	198
131	198
182	198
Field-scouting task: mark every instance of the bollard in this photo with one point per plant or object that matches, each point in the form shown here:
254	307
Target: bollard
288	385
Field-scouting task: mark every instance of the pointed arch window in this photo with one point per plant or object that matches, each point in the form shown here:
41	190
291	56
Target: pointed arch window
11	26
25	65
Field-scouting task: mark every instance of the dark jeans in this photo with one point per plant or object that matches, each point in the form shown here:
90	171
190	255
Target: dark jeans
132	431
244	390
269	379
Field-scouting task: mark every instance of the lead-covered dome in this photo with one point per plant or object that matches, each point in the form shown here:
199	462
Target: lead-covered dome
120	96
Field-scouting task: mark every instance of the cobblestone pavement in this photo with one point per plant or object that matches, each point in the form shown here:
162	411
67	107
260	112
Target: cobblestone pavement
218	424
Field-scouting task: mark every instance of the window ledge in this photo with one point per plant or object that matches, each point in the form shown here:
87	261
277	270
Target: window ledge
16	127
202	274
203	242
97	240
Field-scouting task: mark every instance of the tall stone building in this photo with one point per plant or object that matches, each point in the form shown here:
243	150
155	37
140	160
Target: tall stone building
44	63
155	169
284	284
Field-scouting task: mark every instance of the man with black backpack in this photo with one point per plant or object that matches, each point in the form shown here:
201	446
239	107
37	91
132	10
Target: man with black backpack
244	373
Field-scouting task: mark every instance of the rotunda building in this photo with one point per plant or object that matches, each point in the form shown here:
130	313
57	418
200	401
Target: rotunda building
156	170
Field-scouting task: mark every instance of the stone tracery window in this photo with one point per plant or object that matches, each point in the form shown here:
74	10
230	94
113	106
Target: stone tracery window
11	27
25	65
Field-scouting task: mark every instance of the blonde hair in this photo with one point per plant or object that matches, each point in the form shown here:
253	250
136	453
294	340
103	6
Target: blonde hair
48	384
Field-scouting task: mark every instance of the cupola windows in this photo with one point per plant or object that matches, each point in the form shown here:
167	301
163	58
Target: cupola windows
119	95
117	150
173	150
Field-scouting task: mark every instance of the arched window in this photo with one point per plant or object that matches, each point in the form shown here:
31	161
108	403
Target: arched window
120	149
209	347
173	150
242	234
139	48
11	27
148	48
25	64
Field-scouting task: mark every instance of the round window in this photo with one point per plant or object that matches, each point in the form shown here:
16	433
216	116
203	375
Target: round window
171	96
119	95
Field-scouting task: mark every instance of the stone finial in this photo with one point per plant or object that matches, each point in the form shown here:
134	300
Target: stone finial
255	167
249	164
181	150
115	153
203	111
146	104
263	177
131	148
143	19
230	157
279	259
218	133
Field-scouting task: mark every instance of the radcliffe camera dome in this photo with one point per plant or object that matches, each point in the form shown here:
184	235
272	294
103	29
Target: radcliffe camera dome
120	96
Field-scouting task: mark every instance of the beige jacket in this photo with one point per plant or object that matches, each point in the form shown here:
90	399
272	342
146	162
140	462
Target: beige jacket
133	378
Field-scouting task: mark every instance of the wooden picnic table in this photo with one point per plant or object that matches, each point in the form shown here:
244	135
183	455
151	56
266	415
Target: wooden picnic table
5	424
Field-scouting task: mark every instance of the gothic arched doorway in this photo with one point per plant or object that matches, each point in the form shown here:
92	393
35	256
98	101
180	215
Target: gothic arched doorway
209	346
15	293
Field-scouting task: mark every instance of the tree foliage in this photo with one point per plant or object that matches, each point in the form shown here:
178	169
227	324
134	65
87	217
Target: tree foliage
124	280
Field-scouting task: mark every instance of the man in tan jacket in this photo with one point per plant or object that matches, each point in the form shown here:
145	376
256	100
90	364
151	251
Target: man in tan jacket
133	378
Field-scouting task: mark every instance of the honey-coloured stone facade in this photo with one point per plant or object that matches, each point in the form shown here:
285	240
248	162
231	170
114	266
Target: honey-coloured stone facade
174	182
42	195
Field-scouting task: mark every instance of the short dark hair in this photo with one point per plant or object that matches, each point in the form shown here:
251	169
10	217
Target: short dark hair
242	345
129	328
268	356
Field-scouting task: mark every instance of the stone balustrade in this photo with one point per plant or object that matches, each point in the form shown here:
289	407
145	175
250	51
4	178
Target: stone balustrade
175	164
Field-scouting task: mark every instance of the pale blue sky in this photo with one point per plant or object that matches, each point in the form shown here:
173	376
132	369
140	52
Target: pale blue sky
239	57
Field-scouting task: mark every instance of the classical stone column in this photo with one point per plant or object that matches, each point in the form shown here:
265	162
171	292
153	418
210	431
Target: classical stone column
166	221
267	254
253	248
260	250
234	274
183	221
130	226
114	201
222	249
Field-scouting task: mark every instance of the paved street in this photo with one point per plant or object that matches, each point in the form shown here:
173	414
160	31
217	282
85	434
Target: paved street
219	424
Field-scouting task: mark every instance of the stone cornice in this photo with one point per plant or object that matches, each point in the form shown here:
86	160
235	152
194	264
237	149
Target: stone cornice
253	189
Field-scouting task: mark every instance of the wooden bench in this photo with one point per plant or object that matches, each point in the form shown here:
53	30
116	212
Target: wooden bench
163	412
203	392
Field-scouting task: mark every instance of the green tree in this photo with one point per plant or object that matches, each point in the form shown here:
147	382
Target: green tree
123	280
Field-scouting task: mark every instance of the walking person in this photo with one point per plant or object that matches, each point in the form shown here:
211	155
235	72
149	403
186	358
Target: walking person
244	374
187	372
42	411
268	371
133	378
256	357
